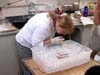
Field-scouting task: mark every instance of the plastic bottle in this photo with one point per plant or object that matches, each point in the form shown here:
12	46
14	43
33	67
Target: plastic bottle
85	11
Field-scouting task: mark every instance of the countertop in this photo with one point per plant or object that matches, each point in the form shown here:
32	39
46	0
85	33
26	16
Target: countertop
78	70
7	28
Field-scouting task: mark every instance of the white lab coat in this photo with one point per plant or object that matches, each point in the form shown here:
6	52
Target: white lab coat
37	29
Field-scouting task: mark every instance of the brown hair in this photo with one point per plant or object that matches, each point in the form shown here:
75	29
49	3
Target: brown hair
53	15
64	20
66	23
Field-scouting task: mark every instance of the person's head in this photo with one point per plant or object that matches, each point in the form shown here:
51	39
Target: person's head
64	25
94	70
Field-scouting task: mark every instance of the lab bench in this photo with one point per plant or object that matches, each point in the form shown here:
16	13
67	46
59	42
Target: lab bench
83	33
78	70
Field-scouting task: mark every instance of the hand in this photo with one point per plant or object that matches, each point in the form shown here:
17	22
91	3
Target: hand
57	40
98	30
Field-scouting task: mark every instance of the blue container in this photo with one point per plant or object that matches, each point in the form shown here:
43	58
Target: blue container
85	11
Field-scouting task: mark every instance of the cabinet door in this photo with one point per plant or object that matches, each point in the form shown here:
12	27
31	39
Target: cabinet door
8	54
87	33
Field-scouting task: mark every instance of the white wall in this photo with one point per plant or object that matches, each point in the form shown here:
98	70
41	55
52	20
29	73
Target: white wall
18	10
15	9
2	2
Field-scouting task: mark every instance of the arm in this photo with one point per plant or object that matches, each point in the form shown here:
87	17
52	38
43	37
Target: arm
39	35
47	41
53	41
42	35
97	17
97	14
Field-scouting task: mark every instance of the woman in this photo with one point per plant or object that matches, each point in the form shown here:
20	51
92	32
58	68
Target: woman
40	29
95	40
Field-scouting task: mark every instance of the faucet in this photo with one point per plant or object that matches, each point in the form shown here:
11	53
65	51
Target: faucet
30	6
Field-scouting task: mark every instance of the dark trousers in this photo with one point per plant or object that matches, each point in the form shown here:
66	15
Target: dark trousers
23	52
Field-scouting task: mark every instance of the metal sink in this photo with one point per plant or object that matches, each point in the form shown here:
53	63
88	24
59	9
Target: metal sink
19	21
